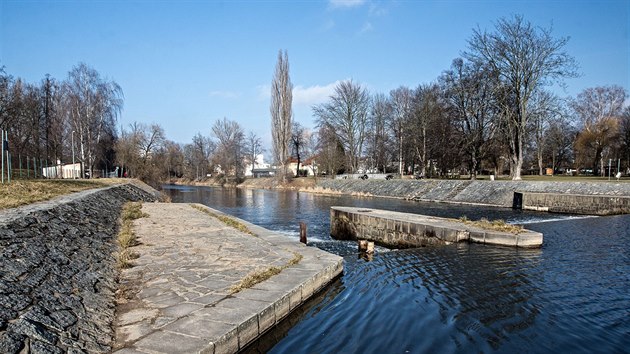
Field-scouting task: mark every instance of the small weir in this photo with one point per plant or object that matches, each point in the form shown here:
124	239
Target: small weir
405	230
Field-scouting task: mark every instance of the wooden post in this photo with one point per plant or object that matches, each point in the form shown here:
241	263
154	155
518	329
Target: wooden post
302	232
366	246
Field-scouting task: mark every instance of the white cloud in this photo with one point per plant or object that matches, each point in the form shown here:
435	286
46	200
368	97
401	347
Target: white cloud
312	95
224	94
367	27
345	3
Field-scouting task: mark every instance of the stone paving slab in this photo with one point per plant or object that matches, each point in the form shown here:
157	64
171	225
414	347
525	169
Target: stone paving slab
178	293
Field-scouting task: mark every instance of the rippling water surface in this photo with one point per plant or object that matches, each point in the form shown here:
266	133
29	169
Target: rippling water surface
571	296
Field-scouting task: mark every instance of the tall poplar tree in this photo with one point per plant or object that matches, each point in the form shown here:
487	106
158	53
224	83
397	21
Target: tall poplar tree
281	111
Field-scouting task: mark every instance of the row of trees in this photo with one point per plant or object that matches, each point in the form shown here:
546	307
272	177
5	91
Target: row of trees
491	110
43	120
56	121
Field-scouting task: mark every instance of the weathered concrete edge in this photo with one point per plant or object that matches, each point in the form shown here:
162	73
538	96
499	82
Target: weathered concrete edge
297	284
396	230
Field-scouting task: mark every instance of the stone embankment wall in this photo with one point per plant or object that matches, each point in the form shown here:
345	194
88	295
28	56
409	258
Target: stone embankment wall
575	203
58	272
496	193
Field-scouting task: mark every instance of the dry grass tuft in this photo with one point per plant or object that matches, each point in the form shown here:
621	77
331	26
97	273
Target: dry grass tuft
259	276
23	192
126	237
226	220
495	225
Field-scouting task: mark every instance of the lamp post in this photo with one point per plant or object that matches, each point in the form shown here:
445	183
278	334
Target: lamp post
73	167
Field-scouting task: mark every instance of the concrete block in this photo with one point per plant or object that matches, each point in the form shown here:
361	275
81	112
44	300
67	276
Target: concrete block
248	330
500	238
227	343
281	307
295	298
266	318
530	239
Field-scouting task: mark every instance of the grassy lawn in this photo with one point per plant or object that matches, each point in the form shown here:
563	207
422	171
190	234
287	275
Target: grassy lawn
22	192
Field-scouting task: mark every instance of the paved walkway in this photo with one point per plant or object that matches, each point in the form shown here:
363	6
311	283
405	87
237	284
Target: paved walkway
178	298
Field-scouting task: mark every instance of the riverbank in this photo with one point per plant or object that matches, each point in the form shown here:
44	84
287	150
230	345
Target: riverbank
204	286
565	196
58	278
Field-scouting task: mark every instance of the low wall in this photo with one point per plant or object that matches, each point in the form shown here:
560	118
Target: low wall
493	193
58	275
404	230
575	203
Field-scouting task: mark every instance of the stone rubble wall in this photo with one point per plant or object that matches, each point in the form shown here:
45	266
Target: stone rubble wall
58	271
496	193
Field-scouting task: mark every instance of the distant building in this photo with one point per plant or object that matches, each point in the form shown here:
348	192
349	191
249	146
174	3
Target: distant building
259	168
62	171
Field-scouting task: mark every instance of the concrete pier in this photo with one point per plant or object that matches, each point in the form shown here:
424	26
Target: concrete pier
404	230
180	296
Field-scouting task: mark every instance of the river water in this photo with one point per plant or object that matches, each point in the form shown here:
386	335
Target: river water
570	296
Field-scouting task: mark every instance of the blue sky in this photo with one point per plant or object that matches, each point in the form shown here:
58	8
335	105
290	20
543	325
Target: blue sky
185	64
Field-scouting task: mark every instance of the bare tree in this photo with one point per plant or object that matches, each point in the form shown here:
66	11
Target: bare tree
378	139
199	155
253	148
346	114
299	140
281	111
544	107
598	110
559	138
92	105
525	58
229	154
425	133
331	154
400	100
468	89
139	149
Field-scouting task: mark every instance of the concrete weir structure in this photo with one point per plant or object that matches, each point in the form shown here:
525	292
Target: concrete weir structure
572	203
404	230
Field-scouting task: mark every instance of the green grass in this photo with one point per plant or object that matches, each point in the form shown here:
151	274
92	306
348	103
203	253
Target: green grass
226	220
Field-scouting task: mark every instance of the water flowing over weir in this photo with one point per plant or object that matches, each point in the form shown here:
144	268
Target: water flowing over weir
571	295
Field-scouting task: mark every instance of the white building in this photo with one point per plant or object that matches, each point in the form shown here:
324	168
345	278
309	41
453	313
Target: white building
259	164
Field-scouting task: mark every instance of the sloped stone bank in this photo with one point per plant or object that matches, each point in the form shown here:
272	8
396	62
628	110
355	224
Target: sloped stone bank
496	193
58	272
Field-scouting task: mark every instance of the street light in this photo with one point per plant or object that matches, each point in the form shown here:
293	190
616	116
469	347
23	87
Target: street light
73	166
